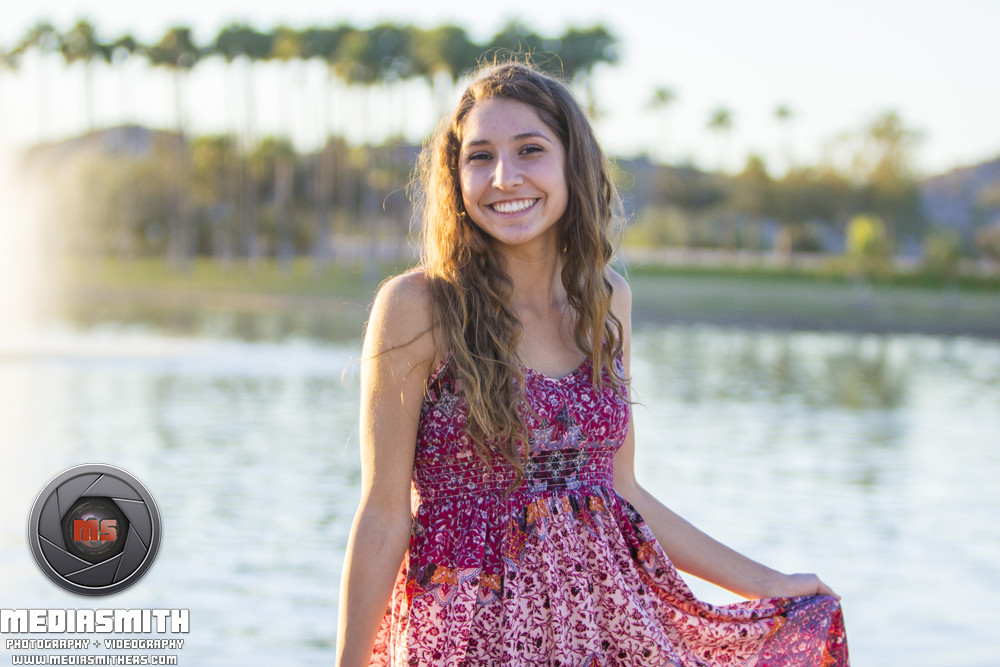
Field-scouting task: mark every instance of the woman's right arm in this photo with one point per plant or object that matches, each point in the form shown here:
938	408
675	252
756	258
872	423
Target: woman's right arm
396	359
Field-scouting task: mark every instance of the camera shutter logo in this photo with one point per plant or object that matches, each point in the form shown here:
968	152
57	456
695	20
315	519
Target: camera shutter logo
94	529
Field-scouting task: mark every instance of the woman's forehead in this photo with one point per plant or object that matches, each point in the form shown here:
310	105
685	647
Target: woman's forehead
503	119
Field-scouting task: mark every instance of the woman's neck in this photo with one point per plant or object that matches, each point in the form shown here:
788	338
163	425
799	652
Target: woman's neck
537	277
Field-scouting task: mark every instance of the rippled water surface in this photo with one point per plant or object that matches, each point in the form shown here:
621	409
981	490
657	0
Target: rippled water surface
870	460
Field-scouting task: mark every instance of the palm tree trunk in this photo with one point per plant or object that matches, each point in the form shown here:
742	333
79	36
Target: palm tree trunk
228	233
371	271
284	173
126	191
250	243
88	92
369	215
3	120
43	100
322	248
180	243
231	173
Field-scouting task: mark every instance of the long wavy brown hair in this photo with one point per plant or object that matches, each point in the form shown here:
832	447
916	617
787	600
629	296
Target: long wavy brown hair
470	289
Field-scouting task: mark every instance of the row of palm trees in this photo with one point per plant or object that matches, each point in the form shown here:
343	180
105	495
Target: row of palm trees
383	58
383	55
720	121
255	209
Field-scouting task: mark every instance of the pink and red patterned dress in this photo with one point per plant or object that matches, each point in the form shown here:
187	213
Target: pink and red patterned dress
563	572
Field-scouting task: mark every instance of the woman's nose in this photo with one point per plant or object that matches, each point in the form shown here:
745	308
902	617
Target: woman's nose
506	175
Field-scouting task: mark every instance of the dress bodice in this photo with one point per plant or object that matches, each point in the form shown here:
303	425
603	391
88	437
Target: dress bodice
574	432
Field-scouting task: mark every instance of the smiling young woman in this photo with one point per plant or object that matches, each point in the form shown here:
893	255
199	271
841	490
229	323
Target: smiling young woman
500	521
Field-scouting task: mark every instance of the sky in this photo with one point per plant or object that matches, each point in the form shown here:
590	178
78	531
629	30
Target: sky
837	65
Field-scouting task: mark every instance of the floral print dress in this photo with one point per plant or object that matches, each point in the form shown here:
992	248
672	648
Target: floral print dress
563	572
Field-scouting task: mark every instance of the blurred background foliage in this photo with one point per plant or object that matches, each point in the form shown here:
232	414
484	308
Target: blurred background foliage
129	192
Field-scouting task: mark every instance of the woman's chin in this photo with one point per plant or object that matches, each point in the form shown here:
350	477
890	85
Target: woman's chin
522	236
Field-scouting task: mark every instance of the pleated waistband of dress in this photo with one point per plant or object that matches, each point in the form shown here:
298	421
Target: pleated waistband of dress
544	472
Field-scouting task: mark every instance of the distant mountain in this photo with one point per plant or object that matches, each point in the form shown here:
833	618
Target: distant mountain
955	199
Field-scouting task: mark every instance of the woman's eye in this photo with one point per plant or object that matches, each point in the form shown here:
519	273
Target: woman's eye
479	156
531	149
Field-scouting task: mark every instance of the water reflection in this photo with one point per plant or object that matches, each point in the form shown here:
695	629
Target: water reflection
328	320
705	364
866	458
871	459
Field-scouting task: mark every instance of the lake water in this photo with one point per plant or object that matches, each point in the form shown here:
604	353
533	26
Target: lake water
872	460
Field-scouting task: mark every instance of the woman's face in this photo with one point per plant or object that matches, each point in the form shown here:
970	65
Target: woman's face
512	169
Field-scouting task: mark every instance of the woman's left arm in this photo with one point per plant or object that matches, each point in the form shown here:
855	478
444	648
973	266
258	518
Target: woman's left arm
690	549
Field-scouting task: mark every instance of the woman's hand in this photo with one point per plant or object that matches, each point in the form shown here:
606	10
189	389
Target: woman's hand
798	585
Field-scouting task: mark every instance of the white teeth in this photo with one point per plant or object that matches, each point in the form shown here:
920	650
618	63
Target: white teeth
513	206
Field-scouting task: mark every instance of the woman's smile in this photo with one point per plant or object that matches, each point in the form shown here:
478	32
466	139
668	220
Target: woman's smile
513	207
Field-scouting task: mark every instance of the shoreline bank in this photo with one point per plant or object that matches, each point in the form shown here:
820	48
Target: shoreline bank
784	305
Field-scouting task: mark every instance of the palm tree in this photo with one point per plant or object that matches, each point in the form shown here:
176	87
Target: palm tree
177	52
579	51
46	40
80	44
515	38
214	159
9	61
753	197
122	50
286	47
395	56
663	98
274	159
784	115
284	180
447	50
890	187
374	58
721	122
242	41
370	58
324	43
354	62
890	142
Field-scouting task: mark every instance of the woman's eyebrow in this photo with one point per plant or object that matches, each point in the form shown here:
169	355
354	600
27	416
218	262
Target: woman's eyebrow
529	135
517	137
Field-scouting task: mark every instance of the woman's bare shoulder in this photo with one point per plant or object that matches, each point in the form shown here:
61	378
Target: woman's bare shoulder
401	319
621	298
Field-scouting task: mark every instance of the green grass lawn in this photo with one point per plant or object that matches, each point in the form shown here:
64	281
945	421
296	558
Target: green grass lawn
207	275
787	302
253	303
340	296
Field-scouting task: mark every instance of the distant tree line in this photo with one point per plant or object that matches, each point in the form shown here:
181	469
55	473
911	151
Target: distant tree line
870	192
129	191
235	195
879	183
